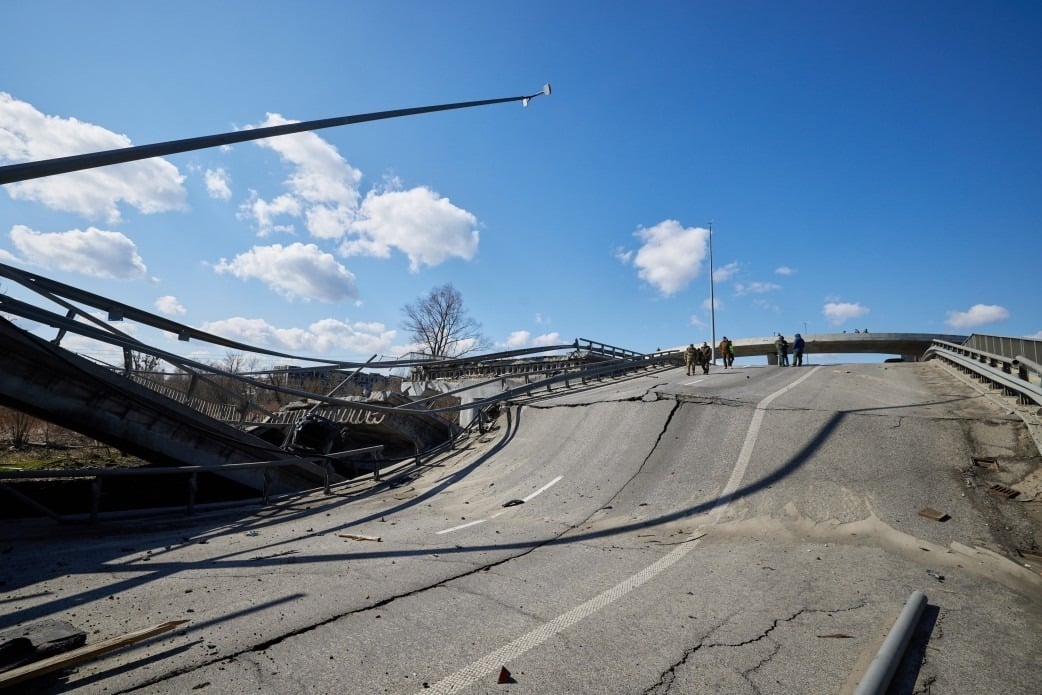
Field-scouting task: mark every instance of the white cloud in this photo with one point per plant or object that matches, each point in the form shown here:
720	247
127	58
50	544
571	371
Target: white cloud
838	312
517	339
320	174
322	186
977	315
297	271
323	191
523	339
323	336
217	184
1034	336
671	255
711	304
726	272
328	222
428	229
784	270
150	185
91	252
263	212
169	305
741	289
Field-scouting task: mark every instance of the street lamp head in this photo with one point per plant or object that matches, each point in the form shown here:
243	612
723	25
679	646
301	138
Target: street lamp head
545	90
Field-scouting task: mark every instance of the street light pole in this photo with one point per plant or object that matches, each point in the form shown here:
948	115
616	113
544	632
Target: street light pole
712	296
63	165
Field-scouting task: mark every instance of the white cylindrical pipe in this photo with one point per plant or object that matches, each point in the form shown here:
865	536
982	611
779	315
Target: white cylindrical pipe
881	670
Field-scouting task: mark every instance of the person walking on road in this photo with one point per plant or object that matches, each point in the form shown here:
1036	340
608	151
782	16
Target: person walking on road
707	357
725	350
691	356
798	345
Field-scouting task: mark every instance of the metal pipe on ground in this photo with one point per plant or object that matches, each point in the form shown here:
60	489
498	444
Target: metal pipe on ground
881	670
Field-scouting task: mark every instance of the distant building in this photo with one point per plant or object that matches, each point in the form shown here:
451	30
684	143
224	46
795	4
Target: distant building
324	379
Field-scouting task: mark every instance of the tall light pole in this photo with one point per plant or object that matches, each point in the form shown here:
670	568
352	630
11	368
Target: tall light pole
63	165
712	296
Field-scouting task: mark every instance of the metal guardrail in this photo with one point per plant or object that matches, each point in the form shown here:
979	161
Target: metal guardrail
98	475
1007	346
1015	375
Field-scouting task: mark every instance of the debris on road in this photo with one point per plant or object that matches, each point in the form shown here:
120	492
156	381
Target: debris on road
513	503
936	575
989	463
360	537
505	677
274	555
89	651
1034	555
37	640
931	513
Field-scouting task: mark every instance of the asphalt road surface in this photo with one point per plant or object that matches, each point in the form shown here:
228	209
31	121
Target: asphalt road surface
753	530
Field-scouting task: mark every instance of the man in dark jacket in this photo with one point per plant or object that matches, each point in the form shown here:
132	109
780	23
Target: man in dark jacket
797	350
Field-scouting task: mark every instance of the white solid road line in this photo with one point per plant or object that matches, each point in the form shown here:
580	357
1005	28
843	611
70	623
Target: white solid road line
489	663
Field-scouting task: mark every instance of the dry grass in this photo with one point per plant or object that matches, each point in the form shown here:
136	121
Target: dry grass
32	444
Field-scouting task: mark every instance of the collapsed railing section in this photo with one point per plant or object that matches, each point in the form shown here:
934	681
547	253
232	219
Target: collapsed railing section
1016	376
534	363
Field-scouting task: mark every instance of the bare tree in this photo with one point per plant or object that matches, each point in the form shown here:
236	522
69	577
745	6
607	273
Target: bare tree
439	322
17	425
144	365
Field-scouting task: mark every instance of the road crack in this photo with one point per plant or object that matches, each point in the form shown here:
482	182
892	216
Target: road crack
668	677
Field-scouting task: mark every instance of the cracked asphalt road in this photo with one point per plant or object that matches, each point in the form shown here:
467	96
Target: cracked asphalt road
752	531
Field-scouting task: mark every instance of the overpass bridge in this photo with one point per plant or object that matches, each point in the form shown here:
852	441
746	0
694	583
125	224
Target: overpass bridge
909	346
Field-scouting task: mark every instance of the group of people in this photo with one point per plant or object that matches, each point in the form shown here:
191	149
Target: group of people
698	357
781	347
703	356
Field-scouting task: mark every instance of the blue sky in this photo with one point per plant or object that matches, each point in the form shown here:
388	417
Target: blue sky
864	165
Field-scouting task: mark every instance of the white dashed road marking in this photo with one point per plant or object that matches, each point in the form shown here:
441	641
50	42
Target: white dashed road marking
502	511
